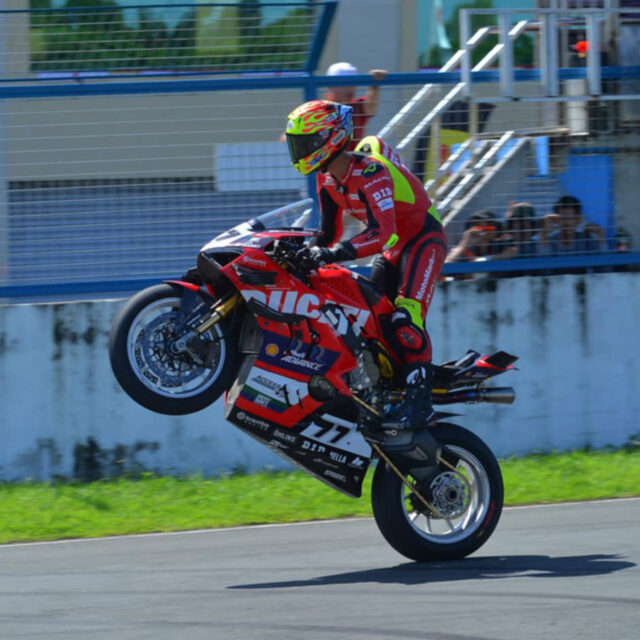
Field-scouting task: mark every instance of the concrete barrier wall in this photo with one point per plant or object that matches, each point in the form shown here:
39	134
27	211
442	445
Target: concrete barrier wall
62	412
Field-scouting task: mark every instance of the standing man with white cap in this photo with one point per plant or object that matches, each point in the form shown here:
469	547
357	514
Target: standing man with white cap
364	107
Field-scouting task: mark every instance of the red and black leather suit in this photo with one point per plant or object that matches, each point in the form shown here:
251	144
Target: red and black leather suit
401	227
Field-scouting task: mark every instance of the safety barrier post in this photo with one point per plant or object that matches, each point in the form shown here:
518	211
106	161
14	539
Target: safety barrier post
465	63
4	205
593	54
506	56
549	55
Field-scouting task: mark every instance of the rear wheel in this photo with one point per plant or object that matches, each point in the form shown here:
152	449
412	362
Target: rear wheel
149	363
467	497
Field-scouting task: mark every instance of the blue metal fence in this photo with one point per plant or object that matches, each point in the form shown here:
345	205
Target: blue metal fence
98	232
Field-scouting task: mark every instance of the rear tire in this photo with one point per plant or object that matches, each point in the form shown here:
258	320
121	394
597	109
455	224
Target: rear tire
419	535
150	372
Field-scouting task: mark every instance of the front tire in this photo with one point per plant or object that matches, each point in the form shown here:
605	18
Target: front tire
470	510
150	371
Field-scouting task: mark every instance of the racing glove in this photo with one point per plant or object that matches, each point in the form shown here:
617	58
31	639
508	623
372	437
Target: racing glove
319	256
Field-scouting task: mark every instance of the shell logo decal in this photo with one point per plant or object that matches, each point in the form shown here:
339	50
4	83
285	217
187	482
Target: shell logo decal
272	349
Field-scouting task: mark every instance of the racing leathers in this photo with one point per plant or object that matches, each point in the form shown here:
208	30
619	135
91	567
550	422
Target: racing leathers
404	231
401	227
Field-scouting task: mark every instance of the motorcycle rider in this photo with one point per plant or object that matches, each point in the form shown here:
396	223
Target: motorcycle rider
402	228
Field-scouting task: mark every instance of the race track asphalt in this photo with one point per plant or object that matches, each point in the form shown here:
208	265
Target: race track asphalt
547	573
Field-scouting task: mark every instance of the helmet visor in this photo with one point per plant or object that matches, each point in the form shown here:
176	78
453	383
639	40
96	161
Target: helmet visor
301	146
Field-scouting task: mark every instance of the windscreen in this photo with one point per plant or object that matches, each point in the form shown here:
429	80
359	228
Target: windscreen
296	216
299	216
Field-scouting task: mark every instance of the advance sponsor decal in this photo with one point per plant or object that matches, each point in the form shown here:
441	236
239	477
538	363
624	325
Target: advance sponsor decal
296	355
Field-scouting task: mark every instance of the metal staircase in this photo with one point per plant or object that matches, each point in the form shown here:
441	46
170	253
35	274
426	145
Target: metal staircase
479	161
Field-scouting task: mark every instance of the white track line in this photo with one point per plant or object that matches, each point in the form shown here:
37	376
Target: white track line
189	532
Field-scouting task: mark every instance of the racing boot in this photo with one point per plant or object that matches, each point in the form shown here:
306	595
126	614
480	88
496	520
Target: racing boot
416	410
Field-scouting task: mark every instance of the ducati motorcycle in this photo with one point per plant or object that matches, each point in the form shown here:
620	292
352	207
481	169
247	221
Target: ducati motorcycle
305	358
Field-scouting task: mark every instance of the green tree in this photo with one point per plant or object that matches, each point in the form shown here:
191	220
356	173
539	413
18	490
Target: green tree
522	49
249	19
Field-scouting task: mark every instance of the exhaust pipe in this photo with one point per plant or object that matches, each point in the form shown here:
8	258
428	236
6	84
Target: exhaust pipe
497	395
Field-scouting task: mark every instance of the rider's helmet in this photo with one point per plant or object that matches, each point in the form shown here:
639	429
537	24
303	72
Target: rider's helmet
316	132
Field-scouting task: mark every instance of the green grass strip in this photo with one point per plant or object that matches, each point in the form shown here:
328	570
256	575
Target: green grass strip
40	511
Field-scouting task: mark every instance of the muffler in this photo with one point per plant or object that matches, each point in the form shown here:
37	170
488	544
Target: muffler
495	395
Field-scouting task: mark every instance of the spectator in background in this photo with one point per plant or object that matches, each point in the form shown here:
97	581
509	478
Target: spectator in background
521	228
364	107
482	240
624	242
565	231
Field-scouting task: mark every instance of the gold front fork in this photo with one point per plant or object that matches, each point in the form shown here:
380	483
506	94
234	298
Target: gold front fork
219	312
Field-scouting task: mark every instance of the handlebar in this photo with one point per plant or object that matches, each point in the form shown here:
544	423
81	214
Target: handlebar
289	252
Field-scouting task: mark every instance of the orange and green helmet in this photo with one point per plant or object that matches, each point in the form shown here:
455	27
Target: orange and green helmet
316	132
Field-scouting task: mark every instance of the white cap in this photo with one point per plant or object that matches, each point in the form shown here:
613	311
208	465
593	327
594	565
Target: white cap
342	69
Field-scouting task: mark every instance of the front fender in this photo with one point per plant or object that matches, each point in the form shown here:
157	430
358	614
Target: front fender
200	291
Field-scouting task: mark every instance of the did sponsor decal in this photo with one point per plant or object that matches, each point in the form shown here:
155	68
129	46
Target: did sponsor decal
385	192
313	446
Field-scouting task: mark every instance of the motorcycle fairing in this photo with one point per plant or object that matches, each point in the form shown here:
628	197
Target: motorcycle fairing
287	359
306	331
353	292
473	368
330	448
341	469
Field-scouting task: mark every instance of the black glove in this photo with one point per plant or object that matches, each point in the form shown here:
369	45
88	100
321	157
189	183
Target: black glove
314	257
319	256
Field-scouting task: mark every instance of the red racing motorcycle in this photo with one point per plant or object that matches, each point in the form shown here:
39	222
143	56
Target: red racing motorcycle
304	357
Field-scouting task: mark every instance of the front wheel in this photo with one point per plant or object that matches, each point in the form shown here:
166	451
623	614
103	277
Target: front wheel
467	495
149	367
